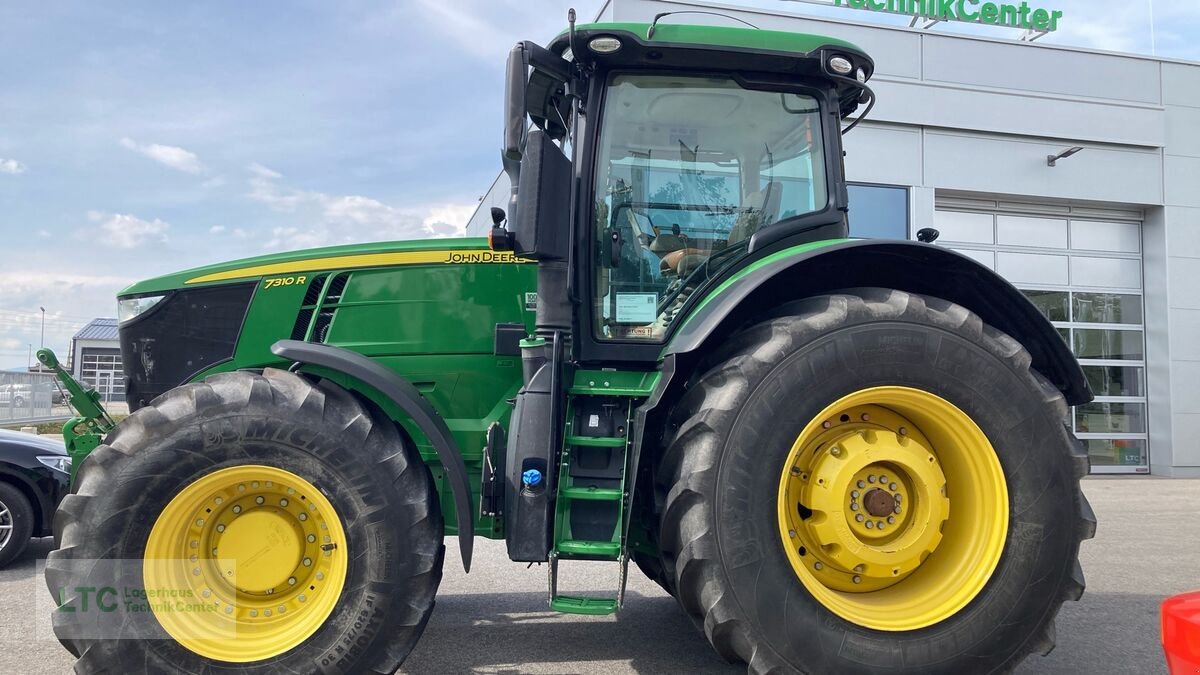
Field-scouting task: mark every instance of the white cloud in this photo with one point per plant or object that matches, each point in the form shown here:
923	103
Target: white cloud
71	300
168	155
11	166
216	229
323	219
126	231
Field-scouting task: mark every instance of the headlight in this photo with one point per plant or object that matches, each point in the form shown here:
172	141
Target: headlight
130	308
861	75
57	462
840	65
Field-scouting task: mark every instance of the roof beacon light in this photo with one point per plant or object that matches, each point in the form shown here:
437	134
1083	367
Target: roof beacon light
604	45
840	65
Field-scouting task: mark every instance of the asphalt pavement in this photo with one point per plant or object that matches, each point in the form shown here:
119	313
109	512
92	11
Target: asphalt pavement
495	620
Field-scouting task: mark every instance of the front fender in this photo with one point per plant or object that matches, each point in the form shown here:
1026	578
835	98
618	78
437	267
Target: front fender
402	393
805	271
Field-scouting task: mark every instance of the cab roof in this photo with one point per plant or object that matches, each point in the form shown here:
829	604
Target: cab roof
748	39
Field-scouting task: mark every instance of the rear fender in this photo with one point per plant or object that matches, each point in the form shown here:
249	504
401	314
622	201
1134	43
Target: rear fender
801	272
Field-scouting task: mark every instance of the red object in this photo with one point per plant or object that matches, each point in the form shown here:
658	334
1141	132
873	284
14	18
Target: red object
1181	632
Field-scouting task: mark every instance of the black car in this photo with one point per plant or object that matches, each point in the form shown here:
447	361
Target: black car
34	477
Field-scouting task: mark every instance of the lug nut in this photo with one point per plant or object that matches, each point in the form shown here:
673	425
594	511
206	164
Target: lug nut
866	417
881	525
853	506
835	451
312	538
857	579
220	528
817	566
883	479
303	517
870	524
291	581
861	484
902	431
871	478
284	502
791	533
897	509
237	509
308	561
892	487
891	519
854	494
859	518
899	498
826	424
259	500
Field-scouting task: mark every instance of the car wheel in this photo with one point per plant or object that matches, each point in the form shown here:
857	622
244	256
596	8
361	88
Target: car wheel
16	523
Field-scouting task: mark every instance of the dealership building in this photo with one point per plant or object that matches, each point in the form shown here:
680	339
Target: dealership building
1073	173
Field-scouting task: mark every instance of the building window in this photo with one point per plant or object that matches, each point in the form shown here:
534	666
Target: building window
878	211
101	369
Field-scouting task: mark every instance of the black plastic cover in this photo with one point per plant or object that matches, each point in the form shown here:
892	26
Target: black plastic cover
541	224
189	331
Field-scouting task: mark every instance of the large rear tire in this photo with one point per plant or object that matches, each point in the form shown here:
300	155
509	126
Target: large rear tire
326	512
763	530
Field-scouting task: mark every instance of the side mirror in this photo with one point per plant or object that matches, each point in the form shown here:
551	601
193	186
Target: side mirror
540	226
535	90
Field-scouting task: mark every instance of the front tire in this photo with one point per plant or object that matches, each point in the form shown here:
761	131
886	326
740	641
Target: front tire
785	577
315	505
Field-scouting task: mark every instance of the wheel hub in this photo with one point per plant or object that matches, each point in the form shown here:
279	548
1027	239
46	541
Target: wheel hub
861	482
867	516
879	503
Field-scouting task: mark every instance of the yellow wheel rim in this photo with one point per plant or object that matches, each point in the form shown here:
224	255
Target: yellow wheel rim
246	562
893	508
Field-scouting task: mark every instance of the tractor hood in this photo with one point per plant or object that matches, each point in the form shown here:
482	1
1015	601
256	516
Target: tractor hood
350	256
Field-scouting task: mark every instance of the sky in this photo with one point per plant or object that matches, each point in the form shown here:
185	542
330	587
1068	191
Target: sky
140	138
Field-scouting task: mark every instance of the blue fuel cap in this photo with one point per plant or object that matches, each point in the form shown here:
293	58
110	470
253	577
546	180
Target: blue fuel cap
531	477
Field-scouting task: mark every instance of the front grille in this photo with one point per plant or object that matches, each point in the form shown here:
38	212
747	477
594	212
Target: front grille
189	331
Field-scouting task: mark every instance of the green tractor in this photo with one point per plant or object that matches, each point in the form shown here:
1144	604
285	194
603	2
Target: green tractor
838	455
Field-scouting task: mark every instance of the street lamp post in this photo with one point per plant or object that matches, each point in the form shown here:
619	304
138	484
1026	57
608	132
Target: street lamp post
43	340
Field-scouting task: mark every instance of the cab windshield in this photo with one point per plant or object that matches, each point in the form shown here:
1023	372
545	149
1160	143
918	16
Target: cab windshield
688	168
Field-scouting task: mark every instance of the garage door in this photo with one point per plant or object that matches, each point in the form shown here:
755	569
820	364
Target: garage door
1082	267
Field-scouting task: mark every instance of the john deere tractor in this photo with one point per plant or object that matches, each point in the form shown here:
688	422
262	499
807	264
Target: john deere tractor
838	455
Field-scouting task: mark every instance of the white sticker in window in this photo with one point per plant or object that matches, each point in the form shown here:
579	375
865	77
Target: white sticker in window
593	421
637	307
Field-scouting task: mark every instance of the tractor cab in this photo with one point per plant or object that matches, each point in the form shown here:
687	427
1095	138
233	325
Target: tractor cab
693	150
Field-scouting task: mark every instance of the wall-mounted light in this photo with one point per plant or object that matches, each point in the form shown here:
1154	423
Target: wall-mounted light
1052	160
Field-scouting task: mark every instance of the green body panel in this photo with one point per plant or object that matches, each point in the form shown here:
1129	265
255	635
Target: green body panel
748	39
432	323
